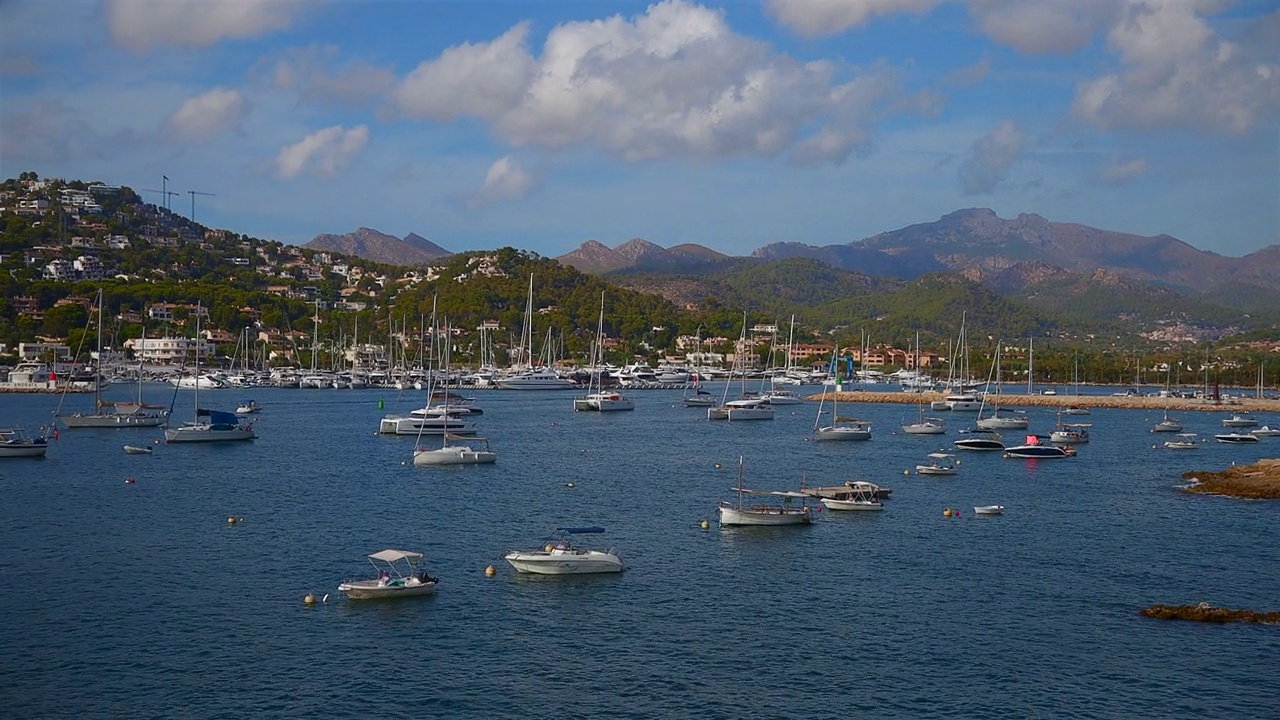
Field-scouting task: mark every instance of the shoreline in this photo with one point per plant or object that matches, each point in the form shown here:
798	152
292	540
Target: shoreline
1259	481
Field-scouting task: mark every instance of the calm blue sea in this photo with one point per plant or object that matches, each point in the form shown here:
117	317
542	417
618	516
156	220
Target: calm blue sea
139	600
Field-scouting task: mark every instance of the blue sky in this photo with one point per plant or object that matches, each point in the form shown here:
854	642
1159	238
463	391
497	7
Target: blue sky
734	125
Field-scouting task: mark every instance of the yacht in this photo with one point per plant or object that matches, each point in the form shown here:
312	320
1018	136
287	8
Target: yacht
427	421
1034	449
981	439
534	379
1234	438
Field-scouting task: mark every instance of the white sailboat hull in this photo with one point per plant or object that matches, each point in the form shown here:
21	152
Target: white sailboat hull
924	428
732	516
206	433
842	432
1003	423
112	420
454	455
749	413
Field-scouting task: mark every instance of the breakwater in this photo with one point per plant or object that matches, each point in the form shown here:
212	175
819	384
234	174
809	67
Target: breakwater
1132	402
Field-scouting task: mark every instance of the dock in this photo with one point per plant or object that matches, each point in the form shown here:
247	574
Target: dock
1129	402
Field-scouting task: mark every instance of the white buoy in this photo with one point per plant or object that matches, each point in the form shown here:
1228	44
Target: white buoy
705	524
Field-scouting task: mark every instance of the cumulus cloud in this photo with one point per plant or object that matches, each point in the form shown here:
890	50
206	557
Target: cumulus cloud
672	82
816	18
323	153
208	115
144	25
318	73
991	157
1123	170
1176	71
504	182
1043	26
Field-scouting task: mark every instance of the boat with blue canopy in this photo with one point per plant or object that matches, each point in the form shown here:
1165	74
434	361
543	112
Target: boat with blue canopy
559	556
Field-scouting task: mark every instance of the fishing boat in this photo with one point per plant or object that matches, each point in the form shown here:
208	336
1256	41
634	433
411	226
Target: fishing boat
598	398
1036	450
1236	438
988	509
781	511
980	439
14	442
1184	441
559	556
208	425
859	496
940	463
398	576
1237	420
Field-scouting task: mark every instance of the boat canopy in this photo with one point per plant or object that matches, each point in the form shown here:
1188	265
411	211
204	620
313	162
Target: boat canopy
218	417
394	555
580	530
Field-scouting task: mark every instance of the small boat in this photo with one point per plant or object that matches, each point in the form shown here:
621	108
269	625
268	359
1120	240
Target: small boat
700	398
1237	420
1265	431
598	398
1073	433
1236	438
982	440
1167	424
1076	410
1184	441
784	512
1034	449
456	454
940	463
137	450
248	407
988	509
398	576
15	443
562	558
860	496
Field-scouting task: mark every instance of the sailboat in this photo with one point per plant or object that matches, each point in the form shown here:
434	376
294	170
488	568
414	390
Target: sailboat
996	421
699	397
776	395
599	399
923	425
748	407
779	513
208	425
1075	379
1071	433
114	414
840	428
447	454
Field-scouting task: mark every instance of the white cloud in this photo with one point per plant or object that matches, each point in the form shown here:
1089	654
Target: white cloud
1043	26
144	25
208	114
672	82
815	18
1120	171
319	75
1176	71
504	182
324	153
991	157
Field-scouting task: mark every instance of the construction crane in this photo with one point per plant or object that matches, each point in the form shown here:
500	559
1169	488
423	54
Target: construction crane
165	194
193	194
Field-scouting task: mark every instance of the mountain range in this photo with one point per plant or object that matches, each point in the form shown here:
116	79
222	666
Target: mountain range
370	244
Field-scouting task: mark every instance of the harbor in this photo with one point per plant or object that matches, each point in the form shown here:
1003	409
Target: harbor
1116	401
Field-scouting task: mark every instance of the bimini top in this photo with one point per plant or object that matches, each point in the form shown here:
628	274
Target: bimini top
580	530
394	555
218	417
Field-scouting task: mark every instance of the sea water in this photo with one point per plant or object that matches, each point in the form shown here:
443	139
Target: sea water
141	600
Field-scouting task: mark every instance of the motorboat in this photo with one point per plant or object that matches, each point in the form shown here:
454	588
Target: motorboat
1237	420
535	379
1035	449
773	507
14	442
560	557
1076	410
1184	441
988	509
980	439
860	496
1236	438
248	407
398	576
137	450
940	463
460	454
1265	431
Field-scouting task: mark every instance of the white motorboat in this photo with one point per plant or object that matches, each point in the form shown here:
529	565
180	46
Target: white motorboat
248	407
1237	420
988	509
560	557
861	496
783	511
15	443
393	580
1076	410
1184	441
1236	438
535	379
980	439
1265	431
198	382
1034	449
940	463
460	454
137	450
